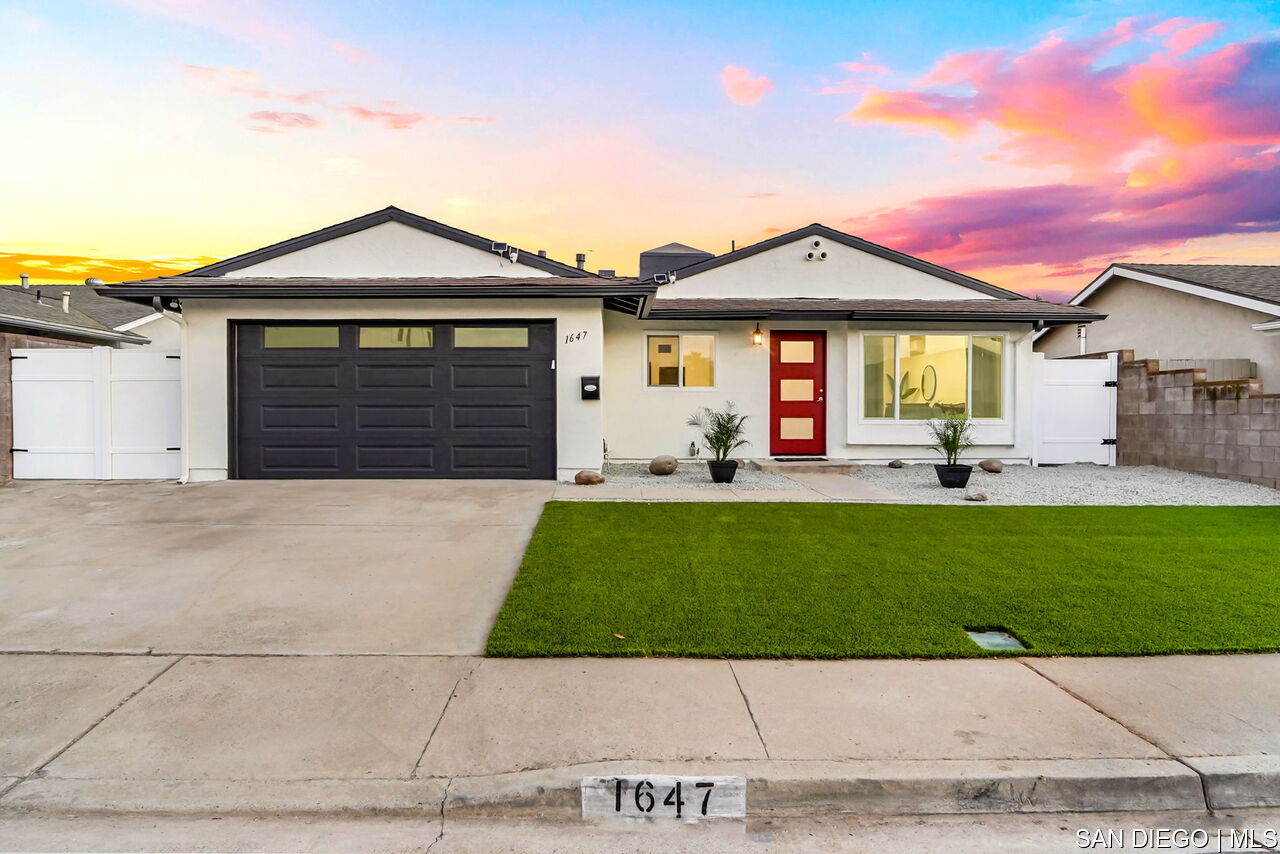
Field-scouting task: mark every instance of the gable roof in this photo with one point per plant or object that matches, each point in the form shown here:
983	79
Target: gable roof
1247	280
1245	286
824	231
112	313
20	308
369	220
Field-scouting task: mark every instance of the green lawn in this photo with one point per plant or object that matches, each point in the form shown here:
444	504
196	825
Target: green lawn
841	581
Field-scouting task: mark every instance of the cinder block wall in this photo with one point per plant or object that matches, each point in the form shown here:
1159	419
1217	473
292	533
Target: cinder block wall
10	341
1178	420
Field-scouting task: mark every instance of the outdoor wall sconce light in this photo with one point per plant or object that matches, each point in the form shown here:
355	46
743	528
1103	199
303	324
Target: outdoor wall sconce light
757	337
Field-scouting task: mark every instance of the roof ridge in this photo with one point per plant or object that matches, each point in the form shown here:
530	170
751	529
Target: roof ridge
1164	264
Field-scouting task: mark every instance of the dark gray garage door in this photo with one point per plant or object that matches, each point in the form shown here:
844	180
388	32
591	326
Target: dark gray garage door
405	399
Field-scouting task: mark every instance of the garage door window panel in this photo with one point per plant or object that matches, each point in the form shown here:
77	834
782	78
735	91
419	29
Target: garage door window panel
300	337
393	337
506	337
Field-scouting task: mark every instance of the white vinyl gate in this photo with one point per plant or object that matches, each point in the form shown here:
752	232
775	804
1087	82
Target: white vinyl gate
1076	411
96	413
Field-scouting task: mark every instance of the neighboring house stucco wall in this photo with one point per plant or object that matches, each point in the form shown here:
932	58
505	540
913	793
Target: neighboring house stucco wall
1162	324
163	332
847	273
206	364
643	422
389	249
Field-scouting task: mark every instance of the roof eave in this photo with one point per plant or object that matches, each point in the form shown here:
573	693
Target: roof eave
145	293
77	331
1051	319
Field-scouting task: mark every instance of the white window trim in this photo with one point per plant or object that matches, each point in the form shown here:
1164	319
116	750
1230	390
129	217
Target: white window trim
679	334
1005	375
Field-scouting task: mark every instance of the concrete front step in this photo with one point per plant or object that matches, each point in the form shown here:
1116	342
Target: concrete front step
775	789
803	466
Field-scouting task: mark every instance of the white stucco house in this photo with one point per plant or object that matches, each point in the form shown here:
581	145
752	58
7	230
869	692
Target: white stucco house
393	345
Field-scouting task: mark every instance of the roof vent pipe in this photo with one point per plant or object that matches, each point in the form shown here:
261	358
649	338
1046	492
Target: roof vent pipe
582	261
66	302
26	280
542	253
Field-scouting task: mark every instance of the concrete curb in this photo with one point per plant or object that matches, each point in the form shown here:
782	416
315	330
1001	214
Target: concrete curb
1238	782
775	789
208	797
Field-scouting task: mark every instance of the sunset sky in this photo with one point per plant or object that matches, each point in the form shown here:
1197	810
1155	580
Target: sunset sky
1026	143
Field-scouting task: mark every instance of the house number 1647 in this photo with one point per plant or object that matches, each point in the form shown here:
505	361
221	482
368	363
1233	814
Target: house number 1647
575	336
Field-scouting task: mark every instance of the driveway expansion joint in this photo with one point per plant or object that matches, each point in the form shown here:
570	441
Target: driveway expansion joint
1204	785
750	713
413	775
39	772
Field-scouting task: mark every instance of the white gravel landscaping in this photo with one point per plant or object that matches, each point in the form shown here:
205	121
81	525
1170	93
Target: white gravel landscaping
692	475
1076	484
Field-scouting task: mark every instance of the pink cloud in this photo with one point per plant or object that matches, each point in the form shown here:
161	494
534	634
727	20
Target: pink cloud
864	66
270	121
354	54
387	118
1189	38
240	81
1161	148
857	84
741	87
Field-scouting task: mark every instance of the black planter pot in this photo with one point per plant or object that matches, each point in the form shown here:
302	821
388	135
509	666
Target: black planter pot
722	471
953	477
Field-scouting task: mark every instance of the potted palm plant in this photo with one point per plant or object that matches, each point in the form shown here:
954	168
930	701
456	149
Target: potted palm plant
721	435
952	435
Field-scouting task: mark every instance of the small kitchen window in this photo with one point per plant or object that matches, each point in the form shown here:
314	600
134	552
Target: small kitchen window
681	361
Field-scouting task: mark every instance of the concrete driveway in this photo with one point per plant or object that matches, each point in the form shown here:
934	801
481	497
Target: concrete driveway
244	567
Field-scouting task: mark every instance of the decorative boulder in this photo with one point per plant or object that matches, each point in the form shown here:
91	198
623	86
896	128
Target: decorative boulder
665	464
975	495
993	466
895	464
588	478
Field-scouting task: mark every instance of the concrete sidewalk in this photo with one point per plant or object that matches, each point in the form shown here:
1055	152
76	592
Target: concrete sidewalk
443	737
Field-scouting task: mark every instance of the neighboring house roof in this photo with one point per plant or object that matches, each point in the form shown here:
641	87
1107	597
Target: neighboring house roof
875	309
20	308
820	230
677	249
369	220
1246	280
107	311
1254	287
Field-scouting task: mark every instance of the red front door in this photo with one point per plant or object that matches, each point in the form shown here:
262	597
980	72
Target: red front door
797	393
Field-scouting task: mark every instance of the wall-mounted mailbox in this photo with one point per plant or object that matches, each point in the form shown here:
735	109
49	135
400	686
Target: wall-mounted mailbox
590	388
